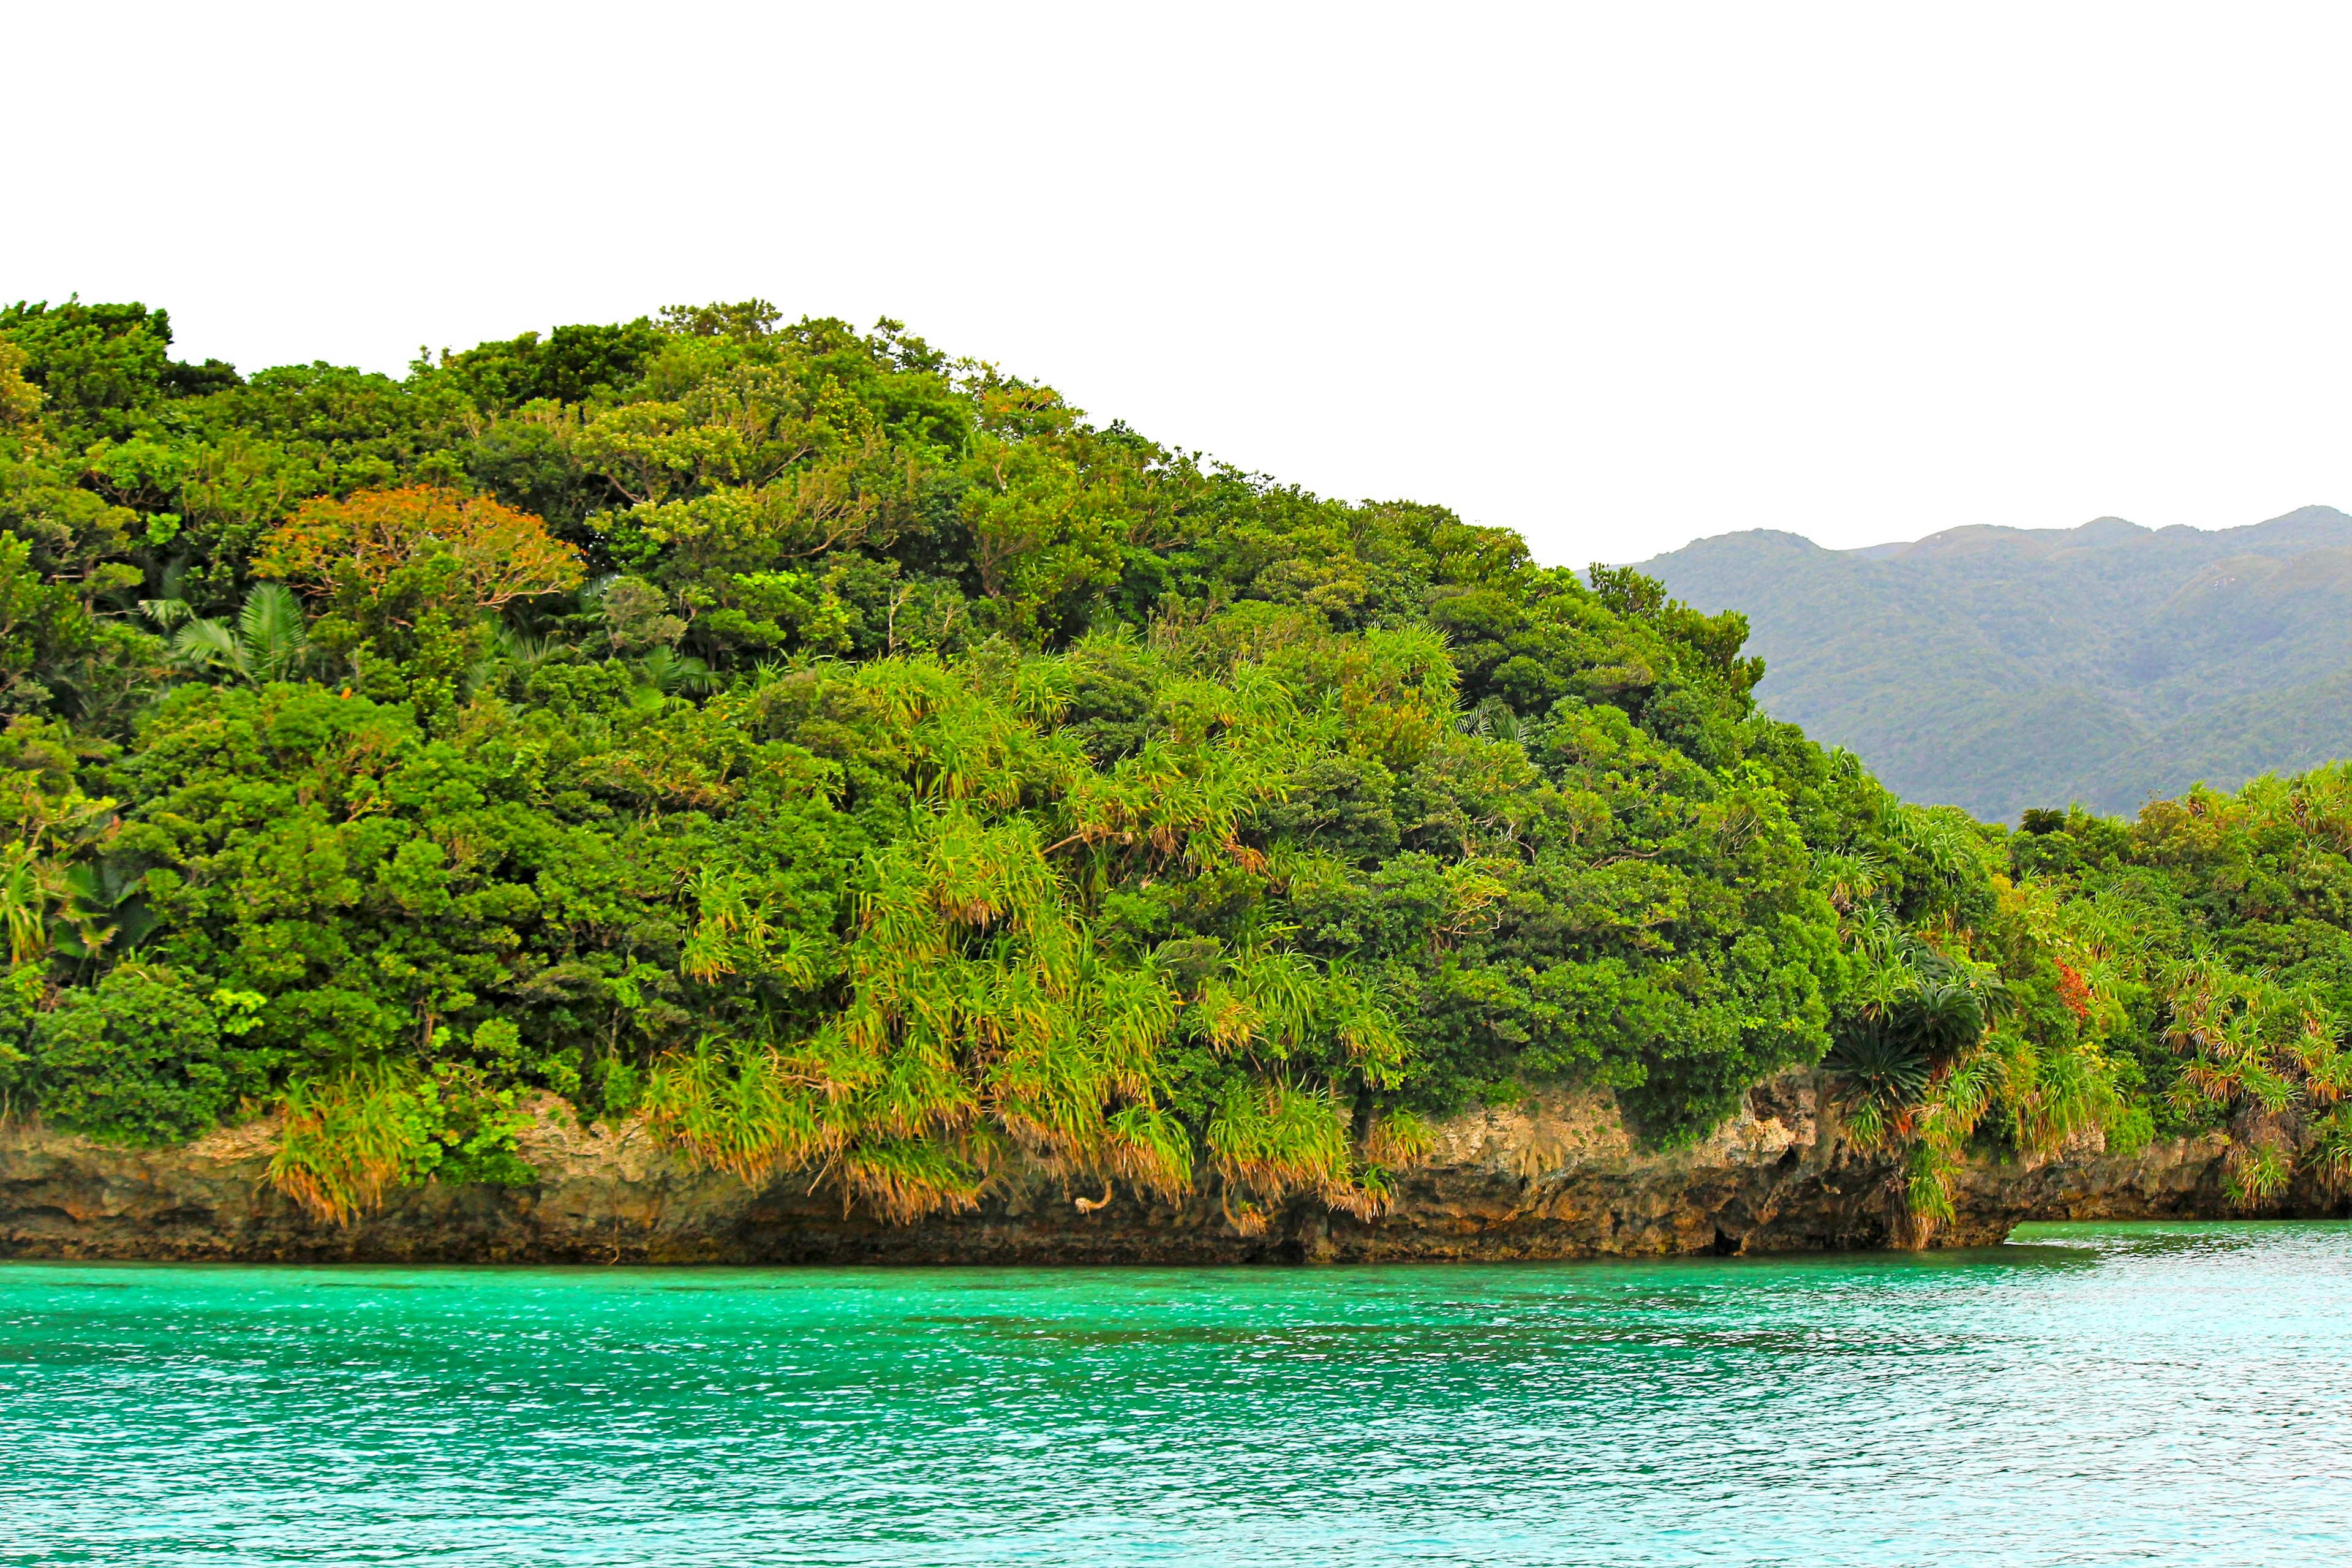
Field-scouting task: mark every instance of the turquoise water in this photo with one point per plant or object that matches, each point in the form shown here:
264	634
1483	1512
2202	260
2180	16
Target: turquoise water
2161	1394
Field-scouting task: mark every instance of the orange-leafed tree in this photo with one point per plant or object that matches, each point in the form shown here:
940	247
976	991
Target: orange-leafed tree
408	581
360	546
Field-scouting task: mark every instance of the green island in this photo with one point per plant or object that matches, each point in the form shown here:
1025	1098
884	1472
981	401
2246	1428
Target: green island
841	759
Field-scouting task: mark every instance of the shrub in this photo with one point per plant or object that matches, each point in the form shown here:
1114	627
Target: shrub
138	1060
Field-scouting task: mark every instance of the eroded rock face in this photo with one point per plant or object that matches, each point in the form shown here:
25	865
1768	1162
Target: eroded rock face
1553	1177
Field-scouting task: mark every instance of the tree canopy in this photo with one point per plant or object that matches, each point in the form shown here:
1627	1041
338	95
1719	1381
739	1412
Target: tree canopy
852	760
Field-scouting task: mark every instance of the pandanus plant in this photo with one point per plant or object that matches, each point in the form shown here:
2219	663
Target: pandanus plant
1917	1064
1908	1036
2269	1058
28	886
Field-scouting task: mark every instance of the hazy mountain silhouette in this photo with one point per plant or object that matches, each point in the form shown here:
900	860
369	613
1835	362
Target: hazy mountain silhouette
1999	668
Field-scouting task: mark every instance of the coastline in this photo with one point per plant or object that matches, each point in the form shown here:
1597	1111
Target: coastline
1556	1176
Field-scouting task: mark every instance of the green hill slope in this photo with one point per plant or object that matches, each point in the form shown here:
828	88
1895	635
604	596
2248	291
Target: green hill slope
843	763
2001	668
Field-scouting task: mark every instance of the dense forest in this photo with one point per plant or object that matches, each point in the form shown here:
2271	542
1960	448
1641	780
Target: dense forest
850	761
2110	663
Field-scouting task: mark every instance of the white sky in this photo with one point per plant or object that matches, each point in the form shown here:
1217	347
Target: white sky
1616	275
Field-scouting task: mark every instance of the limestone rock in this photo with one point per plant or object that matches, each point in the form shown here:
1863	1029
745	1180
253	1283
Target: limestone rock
1557	1175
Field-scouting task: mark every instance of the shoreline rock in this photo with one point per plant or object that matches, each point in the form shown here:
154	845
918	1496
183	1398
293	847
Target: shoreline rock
1556	1176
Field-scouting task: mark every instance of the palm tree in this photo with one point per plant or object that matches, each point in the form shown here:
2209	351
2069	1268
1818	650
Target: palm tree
271	640
666	670
511	657
102	906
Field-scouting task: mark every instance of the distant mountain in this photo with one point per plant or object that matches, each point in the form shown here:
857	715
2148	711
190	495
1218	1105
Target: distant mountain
1999	668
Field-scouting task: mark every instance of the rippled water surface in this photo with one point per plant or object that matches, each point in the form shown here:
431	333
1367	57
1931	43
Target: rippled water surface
2173	1394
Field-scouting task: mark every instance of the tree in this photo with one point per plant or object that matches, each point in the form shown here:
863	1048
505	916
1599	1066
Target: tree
20	400
411	578
937	788
40	623
470	549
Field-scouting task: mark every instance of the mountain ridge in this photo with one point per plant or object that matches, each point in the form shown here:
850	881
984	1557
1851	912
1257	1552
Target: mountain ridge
2000	668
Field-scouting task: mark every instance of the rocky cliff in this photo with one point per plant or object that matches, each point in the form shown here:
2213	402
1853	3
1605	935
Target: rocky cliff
1555	1176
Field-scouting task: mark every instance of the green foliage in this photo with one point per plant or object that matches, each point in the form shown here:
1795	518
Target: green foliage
270	641
101	367
349	1139
42	626
139	1059
2205	950
572	364
855	762
23	989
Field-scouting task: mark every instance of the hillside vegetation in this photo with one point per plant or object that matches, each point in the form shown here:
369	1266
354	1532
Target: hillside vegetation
1999	668
848	761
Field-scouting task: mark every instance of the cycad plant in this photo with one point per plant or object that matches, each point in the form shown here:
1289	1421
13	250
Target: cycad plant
1917	1020
1879	1072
